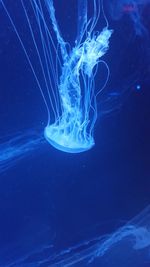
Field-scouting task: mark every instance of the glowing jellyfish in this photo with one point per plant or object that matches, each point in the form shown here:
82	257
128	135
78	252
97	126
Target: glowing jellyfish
128	245
69	93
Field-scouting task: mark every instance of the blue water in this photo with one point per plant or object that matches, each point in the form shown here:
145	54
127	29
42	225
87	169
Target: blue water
59	209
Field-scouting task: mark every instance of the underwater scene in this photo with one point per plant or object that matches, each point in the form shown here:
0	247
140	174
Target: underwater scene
75	133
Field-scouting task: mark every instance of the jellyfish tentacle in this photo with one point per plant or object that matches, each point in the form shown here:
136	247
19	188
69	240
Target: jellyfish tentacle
82	20
51	9
28	59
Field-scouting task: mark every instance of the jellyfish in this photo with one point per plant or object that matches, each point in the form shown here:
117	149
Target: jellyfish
127	245
15	147
69	95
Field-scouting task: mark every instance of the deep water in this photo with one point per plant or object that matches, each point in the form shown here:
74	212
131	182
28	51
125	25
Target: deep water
61	209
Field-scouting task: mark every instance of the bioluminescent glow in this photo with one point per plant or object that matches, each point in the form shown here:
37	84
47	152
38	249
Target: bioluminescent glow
65	71
14	148
127	246
69	93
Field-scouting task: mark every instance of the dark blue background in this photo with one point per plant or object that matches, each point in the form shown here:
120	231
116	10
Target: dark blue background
62	199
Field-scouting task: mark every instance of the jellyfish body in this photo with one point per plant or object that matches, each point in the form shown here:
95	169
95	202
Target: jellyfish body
69	93
73	130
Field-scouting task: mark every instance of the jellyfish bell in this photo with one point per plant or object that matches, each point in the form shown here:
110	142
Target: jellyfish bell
68	140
